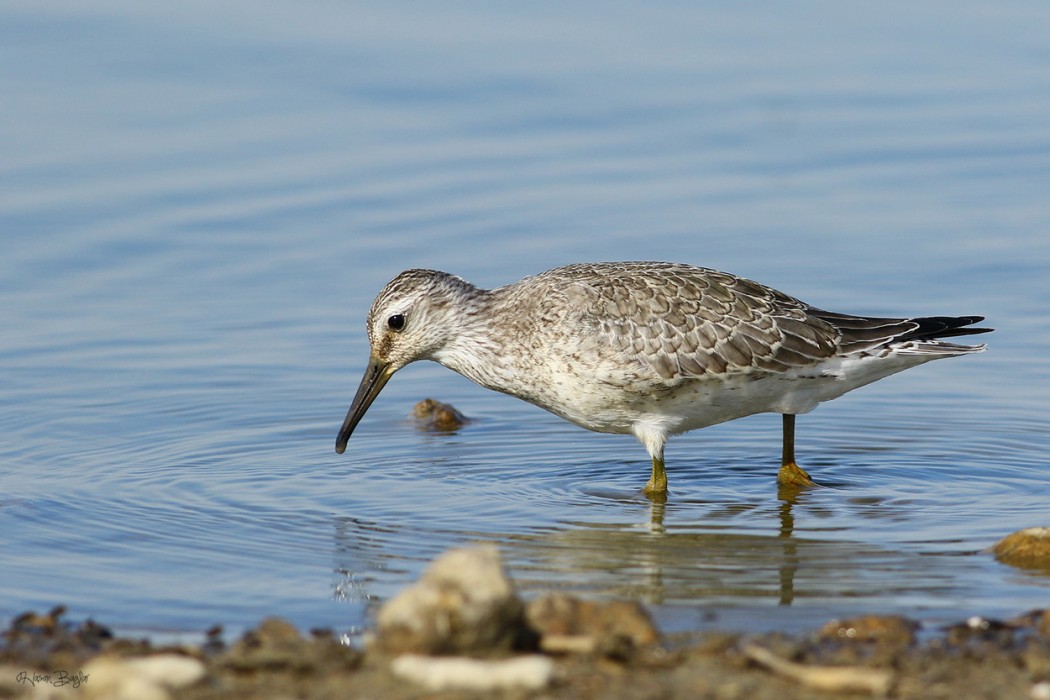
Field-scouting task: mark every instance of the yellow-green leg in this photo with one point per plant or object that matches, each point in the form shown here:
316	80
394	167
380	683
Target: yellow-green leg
790	473
657	485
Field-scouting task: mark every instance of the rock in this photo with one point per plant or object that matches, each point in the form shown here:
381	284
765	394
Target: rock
276	645
1026	549
568	624
463	604
276	631
1039	620
530	672
882	629
139	678
438	417
979	629
49	640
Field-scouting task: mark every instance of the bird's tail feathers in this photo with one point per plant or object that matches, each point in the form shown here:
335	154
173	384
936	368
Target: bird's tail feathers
919	336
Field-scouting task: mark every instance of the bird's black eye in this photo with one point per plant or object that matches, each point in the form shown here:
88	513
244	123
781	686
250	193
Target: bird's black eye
396	322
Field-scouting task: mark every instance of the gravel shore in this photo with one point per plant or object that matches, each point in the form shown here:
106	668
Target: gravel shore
462	632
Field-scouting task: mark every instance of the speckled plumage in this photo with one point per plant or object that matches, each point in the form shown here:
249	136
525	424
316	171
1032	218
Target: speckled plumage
648	348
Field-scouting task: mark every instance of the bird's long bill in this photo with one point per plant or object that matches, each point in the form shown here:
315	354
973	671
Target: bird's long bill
376	377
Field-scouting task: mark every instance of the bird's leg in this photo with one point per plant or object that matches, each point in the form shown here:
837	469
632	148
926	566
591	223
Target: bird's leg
790	473
657	486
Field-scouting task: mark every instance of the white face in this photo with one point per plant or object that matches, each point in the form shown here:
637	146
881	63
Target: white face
406	324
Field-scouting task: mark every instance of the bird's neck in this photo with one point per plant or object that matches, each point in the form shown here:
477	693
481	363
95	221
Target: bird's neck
476	348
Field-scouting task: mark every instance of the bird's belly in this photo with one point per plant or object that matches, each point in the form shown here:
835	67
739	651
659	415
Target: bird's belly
619	404
693	403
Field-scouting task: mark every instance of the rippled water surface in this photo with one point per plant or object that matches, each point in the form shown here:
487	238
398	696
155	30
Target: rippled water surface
198	202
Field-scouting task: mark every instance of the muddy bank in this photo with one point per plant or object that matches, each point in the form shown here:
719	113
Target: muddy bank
462	632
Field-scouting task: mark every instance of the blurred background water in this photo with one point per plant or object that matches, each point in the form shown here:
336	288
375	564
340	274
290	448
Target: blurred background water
198	202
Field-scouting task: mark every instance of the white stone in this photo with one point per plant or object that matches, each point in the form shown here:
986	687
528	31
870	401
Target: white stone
463	602
460	673
140	678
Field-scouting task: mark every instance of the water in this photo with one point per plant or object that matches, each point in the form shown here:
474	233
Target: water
198	202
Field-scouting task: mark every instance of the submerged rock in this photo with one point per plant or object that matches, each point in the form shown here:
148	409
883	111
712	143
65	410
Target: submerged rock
463	604
438	417
1026	549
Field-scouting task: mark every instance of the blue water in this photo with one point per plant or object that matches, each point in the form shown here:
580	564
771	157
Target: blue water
198	202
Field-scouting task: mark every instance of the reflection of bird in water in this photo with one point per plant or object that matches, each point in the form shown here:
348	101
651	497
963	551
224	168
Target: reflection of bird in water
650	349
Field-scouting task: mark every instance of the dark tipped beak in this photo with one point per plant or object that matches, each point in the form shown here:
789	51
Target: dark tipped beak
376	377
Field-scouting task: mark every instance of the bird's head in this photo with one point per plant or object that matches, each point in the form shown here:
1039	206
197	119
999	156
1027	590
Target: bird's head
411	319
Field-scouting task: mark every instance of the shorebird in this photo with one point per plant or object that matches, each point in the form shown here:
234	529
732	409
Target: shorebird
645	348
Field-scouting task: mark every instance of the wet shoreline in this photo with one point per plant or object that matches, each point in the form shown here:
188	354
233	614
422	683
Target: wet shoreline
983	660
462	632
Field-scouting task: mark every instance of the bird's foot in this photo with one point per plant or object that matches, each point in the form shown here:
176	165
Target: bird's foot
657	497
656	488
793	475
